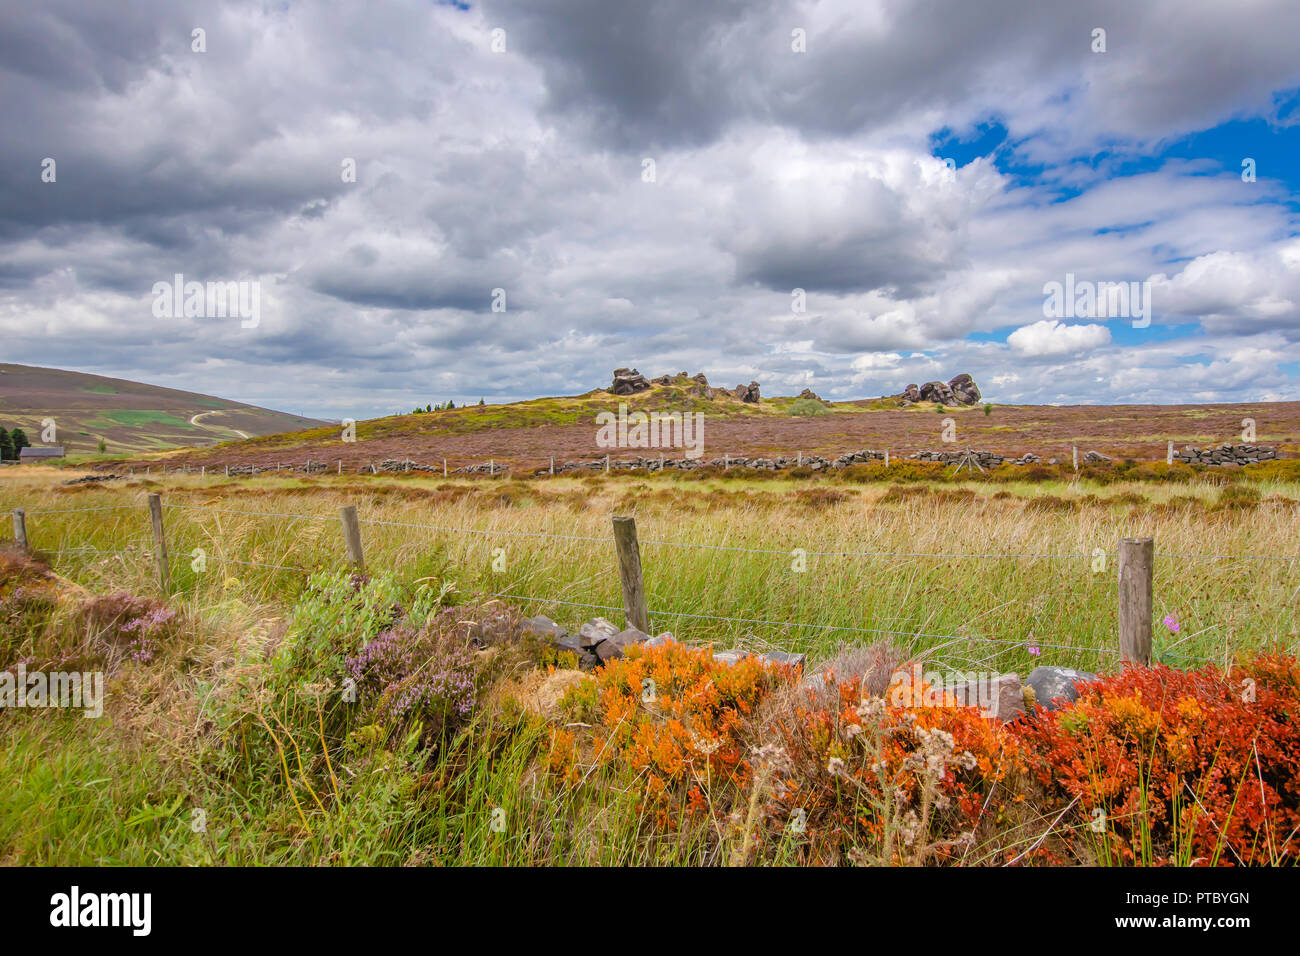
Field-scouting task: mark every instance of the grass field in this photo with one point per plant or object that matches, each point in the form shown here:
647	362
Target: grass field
979	574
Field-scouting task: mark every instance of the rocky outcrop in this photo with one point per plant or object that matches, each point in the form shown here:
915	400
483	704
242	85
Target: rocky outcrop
702	388
962	390
809	393
937	392
1226	454
747	393
628	381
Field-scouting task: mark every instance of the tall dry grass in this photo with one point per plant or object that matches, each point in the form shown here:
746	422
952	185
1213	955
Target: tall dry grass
1002	576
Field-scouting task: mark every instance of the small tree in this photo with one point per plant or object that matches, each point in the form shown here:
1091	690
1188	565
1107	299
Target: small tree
481	402
102	446
7	450
19	438
988	409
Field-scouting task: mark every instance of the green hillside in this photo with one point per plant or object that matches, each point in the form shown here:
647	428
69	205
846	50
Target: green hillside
129	417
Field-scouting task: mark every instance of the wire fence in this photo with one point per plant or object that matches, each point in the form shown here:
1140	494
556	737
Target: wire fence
1033	643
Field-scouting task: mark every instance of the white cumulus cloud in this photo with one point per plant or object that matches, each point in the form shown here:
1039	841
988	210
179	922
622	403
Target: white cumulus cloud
1051	338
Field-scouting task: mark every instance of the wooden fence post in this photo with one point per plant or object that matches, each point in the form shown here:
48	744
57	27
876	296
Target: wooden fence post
1076	457
159	540
352	536
629	572
1136	567
20	528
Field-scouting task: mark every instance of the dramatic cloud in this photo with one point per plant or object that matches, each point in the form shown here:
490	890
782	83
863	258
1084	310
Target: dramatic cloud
545	191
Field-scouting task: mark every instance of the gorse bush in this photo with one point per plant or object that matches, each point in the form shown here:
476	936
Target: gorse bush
675	716
876	783
1182	767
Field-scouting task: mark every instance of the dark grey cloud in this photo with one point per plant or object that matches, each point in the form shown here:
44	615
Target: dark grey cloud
523	171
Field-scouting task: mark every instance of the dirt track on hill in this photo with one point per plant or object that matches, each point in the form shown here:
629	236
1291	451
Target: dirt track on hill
1128	431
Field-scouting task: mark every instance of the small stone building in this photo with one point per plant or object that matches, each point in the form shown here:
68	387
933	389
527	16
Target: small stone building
40	452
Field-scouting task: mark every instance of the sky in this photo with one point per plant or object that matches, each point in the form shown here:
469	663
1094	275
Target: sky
847	195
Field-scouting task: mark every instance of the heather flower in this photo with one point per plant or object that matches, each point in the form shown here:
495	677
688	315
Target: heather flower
1171	622
416	672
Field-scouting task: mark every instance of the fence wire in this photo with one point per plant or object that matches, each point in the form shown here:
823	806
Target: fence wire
200	509
953	555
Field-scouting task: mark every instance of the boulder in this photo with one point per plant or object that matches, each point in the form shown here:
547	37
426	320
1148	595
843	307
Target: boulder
698	385
545	695
1001	698
938	392
596	630
809	393
747	393
613	647
1055	685
731	657
543	626
964	389
628	381
784	659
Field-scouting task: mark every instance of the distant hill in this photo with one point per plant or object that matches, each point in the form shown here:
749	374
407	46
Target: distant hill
128	416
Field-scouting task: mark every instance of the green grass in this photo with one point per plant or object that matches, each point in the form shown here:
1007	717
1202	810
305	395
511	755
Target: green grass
122	791
137	417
